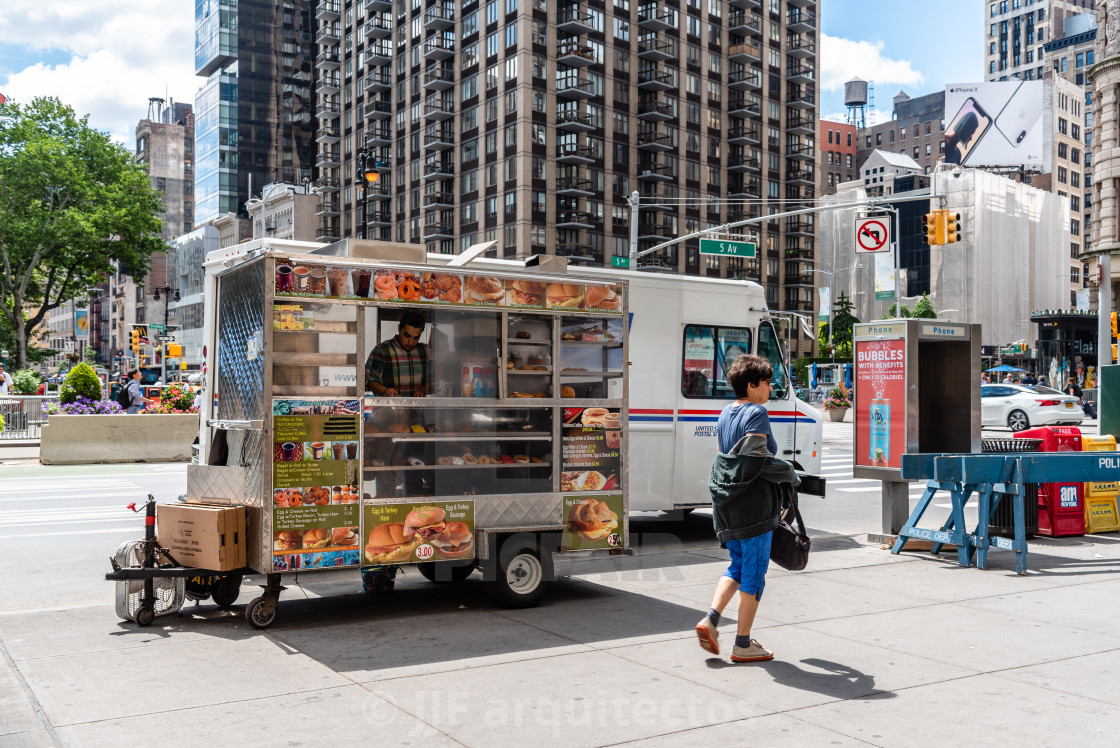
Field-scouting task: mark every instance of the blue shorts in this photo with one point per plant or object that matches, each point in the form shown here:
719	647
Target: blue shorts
749	560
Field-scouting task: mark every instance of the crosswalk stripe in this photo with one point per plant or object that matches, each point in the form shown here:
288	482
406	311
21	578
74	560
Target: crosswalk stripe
72	532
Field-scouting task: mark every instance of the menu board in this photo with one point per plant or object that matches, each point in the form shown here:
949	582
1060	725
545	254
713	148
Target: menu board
316	494
592	522
591	449
431	531
296	278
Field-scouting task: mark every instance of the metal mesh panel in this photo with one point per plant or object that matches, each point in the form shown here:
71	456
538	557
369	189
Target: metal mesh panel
240	316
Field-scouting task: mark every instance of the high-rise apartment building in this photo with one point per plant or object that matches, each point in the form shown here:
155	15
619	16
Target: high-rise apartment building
1018	32
839	143
530	123
254	123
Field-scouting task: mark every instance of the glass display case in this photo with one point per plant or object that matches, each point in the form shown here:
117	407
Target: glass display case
315	349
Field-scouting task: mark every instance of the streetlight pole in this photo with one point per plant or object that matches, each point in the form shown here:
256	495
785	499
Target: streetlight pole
368	174
166	315
831	273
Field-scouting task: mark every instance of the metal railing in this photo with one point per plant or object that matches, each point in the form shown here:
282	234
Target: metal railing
23	415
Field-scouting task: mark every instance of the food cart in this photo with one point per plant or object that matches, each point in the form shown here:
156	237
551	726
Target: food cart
514	452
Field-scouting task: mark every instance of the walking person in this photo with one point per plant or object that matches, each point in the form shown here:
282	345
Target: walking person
746	504
136	399
5	381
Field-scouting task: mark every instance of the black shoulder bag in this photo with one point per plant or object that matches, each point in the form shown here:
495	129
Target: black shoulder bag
789	546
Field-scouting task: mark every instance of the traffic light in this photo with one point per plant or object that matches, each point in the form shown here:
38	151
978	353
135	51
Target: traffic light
930	222
952	226
174	350
1115	317
135	336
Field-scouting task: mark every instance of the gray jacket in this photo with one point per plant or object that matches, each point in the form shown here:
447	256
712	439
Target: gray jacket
744	486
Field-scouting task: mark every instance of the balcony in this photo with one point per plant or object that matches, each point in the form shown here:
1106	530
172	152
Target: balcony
439	138
800	248
655	172
379	218
656	79
328	135
570	153
574	187
805	152
745	188
439	48
745	80
742	163
744	53
574	20
655	231
744	24
378	191
439	170
800	125
379	6
384	162
439	200
801	177
575	54
437	231
806	100
328	232
799	228
744	135
327	61
574	219
438	109
653	46
799	279
802	73
438	79
793	305
328	208
379	27
328	85
326	184
744	106
380	53
379	81
439	17
580	253
653	199
653	109
379	135
574	87
800	20
801	46
327	10
571	120
655	140
378	110
745	4
327	159
327	36
653	17
326	110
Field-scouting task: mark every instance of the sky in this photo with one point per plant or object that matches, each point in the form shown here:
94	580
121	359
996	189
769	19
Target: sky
107	59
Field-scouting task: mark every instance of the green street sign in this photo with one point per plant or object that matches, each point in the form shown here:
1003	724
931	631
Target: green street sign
727	248
620	262
157	328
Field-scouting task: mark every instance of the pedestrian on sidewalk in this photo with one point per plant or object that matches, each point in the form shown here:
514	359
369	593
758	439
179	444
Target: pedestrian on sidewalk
746	504
136	399
5	381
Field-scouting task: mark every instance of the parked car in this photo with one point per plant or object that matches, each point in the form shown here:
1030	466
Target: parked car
1021	406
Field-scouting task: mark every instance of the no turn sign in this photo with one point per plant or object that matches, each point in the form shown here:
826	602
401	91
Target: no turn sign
873	235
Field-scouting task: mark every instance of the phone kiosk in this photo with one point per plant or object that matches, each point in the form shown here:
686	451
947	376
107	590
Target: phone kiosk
509	448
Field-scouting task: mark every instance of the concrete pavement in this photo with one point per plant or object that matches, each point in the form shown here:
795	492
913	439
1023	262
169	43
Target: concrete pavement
870	649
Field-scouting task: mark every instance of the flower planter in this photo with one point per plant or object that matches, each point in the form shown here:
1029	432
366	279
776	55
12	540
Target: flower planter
836	414
91	439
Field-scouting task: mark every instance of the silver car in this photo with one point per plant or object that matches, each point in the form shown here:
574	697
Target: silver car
1021	406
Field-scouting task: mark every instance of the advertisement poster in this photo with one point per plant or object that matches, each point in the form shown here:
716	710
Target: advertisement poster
826	303
590	449
315	479
699	350
884	276
592	522
880	417
295	278
431	531
81	324
996	124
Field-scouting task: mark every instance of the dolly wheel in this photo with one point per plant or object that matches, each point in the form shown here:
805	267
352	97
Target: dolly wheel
523	576
145	615
261	612
225	590
445	571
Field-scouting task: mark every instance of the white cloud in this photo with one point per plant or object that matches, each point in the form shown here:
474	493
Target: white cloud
844	59
119	56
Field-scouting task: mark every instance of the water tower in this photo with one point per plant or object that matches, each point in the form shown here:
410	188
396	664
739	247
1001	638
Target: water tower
855	98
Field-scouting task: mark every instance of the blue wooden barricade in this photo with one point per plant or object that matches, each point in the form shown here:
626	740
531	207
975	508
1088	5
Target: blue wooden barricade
992	478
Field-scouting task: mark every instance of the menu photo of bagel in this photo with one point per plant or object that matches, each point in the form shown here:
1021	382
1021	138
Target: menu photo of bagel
481	289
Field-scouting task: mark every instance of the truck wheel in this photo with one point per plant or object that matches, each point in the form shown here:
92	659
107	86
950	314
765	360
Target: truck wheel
445	572
225	590
1017	420
523	576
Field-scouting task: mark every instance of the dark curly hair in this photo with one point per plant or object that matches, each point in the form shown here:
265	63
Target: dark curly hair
748	369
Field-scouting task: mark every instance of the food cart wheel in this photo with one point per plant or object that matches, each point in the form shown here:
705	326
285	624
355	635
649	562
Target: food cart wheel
524	574
450	573
261	612
145	615
225	590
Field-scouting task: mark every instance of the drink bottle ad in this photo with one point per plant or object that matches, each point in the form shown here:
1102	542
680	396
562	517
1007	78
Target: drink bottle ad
880	417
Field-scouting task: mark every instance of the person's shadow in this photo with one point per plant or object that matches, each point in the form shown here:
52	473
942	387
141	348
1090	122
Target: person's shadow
838	681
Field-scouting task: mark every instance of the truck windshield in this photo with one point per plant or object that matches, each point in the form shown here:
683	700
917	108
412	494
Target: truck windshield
770	349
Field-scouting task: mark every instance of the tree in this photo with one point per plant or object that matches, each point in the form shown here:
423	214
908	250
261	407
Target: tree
71	203
924	308
843	323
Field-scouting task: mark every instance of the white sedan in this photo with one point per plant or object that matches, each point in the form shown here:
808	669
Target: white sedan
1021	406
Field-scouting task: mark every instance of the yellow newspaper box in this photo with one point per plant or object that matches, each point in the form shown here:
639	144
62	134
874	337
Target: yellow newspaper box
1101	513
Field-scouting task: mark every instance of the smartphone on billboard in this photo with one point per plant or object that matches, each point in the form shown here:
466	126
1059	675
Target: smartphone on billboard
965	131
1019	116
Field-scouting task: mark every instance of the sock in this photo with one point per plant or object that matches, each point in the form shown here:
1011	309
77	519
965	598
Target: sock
743	641
713	616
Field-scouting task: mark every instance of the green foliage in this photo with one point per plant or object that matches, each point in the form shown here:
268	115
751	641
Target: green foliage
1	423
90	354
71	202
82	381
922	310
837	398
843	322
25	382
892	315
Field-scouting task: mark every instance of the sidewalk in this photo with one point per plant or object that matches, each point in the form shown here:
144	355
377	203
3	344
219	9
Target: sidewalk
870	649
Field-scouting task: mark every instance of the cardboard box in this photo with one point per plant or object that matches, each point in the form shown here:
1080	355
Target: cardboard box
203	537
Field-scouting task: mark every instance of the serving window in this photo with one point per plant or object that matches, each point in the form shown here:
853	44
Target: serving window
707	353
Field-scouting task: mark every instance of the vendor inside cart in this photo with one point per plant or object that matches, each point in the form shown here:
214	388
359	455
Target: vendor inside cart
400	366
